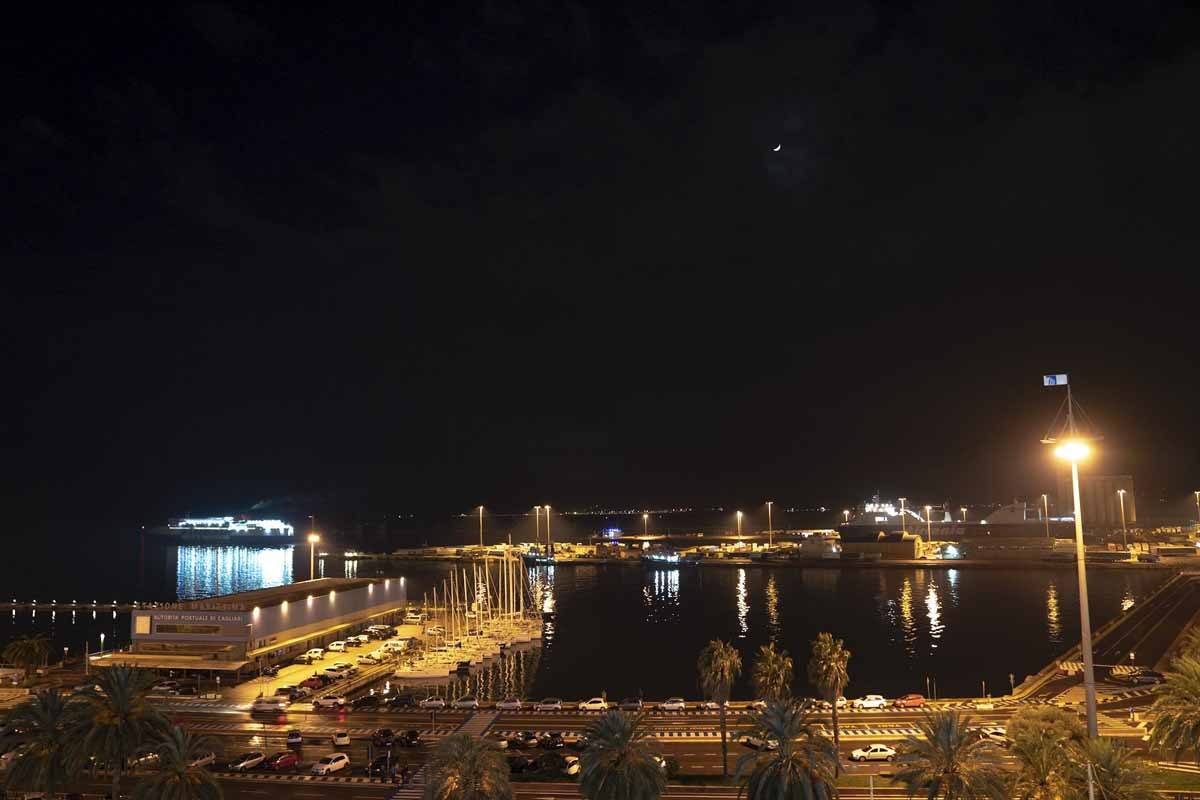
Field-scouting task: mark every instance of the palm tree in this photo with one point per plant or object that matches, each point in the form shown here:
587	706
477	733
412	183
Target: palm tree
115	722
620	762
177	778
828	671
1043	765
803	765
27	652
950	761
719	665
1177	710
465	768
44	764
1117	772
772	673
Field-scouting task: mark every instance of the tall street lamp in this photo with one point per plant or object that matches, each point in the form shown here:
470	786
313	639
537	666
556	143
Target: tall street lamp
645	524
963	509
481	527
1197	493
846	515
549	544
1124	534
903	522
537	525
1046	513
1074	450
312	555
928	525
739	523
770	530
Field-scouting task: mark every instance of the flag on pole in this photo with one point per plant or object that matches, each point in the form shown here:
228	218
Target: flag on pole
1054	380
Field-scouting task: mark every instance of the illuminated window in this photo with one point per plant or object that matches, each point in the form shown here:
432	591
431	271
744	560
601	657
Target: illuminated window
141	624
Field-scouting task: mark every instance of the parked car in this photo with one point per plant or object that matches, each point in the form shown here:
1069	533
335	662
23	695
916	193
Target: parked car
873	752
395	645
315	682
316	654
270	671
204	759
332	701
551	741
352	641
435	630
361	638
594	704
468	701
247	761
334	762
825	705
346	665
409	739
378	768
383	737
1142	677
402	701
712	705
165	687
305	658
337	673
341	738
509	704
366	701
282	761
521	763
337	647
995	733
369	659
579	745
526	739
570	765
433	702
673	704
909	701
294	738
414	618
631	704
549	704
870	701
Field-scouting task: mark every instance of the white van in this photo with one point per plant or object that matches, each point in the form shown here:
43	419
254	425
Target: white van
395	645
316	654
336	647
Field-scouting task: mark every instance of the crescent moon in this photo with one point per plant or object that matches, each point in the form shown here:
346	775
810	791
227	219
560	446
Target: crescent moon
778	147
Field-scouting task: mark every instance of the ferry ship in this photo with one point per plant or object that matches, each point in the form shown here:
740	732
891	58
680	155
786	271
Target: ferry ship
883	521
238	529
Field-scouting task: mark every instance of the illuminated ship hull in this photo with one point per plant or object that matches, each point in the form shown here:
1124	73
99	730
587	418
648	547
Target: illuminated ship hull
882	522
228	530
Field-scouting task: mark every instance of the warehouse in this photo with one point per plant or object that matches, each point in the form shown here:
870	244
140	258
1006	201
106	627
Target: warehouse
235	635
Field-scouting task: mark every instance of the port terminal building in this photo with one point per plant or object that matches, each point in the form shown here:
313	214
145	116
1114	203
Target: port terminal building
235	635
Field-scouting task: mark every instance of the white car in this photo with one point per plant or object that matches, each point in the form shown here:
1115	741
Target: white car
332	701
369	658
204	759
413	618
395	645
336	647
432	702
341	739
509	704
435	630
346	665
712	705
469	702
247	761
331	763
871	701
673	704
362	638
759	743
825	705
295	738
595	704
337	673
571	765
269	705
873	752
549	704
995	733
316	654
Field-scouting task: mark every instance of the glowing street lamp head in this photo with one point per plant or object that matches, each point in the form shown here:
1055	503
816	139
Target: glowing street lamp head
645	516
1120	491
739	515
1073	450
313	538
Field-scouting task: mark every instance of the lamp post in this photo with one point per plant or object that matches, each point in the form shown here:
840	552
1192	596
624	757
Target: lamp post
101	644
739	524
1074	450
770	530
1124	533
645	524
312	555
549	544
846	515
903	522
537	525
481	527
1046	513
963	509
1197	493
928	525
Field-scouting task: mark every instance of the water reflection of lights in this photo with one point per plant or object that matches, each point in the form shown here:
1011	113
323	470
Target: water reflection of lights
660	596
1053	616
204	571
774	629
351	568
908	623
743	607
933	607
1128	600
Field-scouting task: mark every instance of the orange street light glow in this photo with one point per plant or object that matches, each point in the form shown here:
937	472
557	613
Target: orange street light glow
1073	450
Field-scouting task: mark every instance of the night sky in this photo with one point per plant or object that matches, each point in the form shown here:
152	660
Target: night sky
594	253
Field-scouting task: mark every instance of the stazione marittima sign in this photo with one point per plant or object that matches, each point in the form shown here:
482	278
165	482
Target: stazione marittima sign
188	624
